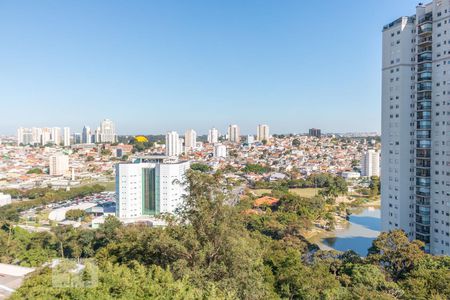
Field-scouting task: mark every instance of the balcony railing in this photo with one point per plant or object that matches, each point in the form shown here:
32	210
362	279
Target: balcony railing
424	115
425	28
425	56
425	105
424	86
423	96
425	40
423	153
422	163
425	67
426	18
425	76
423	191
424	49
422	172
423	125
422	200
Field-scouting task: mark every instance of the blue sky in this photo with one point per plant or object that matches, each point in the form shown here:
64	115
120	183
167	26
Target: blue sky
154	66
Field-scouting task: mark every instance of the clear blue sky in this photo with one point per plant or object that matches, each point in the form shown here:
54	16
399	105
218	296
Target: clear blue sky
153	66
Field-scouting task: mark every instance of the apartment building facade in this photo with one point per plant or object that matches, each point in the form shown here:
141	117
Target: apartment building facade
415	156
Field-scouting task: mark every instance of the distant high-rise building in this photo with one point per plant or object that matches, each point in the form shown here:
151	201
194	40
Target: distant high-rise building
96	136
414	129
262	133
220	151
86	136
46	136
77	138
56	135
147	189
66	136
173	144
213	136
315	132
234	134
37	135
20	137
250	139
58	164
190	139
370	163
107	132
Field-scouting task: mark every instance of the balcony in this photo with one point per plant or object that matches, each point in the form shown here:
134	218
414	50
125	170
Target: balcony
425	41
423	153
425	76
423	163
424	96
423	124
422	200
425	56
425	67
423	144
424	48
424	86
425	28
425	105
423	182
423	191
425	239
424	220
427	18
424	115
423	134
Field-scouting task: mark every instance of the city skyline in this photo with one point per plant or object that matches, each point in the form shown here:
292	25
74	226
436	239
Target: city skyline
225	66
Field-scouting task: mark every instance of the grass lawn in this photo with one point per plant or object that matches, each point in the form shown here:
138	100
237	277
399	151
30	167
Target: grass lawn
307	192
109	186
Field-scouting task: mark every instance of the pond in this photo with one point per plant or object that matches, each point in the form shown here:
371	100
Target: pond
363	227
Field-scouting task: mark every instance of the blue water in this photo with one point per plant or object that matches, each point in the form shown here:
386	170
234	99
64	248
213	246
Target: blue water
363	227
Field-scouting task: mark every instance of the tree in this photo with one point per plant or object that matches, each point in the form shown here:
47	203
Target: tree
35	171
200	167
395	253
256	168
374	186
106	152
75	214
296	142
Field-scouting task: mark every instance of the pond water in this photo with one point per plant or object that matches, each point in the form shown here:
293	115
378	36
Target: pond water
363	227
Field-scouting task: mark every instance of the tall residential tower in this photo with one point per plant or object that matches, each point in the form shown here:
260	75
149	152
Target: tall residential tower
415	157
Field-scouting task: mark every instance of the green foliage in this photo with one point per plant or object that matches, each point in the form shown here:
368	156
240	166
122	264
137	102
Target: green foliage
395	253
106	152
45	196
213	251
118	282
256	168
35	171
75	214
296	142
200	167
374	186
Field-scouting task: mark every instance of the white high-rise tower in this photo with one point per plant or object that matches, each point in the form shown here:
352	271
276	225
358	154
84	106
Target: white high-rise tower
107	132
173	144
66	136
190	139
370	163
213	136
234	134
415	185
262	133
